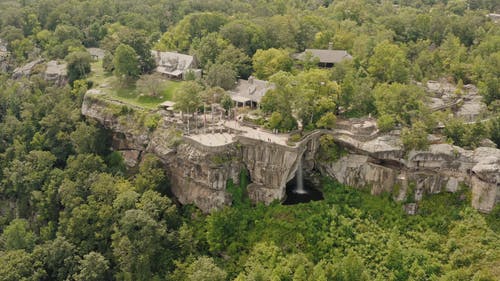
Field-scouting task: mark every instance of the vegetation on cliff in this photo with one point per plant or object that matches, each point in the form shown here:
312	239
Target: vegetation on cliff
69	210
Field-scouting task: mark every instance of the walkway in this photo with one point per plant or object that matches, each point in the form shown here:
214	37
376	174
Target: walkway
221	139
215	139
257	134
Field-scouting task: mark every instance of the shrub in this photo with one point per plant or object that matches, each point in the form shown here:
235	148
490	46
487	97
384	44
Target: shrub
386	123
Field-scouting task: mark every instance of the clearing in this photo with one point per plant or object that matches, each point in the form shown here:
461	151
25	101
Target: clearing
129	92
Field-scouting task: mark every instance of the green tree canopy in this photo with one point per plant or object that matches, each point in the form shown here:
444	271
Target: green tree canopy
221	75
269	62
403	102
126	62
187	97
78	65
389	63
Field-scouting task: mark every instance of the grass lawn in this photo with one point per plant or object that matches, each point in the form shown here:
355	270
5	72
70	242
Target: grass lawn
128	92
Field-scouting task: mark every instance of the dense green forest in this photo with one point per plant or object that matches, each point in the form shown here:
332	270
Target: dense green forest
69	209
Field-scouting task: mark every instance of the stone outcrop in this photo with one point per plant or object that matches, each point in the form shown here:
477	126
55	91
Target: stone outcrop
5	58
465	103
199	173
51	71
26	70
55	72
442	167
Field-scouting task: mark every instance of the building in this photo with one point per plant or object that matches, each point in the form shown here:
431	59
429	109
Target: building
494	17
175	65
168	106
326	58
96	53
250	92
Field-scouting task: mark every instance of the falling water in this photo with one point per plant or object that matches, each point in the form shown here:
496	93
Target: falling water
299	189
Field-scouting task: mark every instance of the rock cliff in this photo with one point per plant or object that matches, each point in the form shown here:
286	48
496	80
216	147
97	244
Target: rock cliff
199	173
442	167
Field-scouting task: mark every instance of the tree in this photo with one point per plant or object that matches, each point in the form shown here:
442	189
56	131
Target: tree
245	35
208	48
57	258
262	260
227	103
386	123
316	96
17	236
237	59
187	97
89	139
271	61
326	121
107	62
18	265
93	267
275	120
495	130
389	63
204	268
213	95
353	268
125	62
21	178
151	175
150	85
137	246
281	100
191	27
416	137
403	102
221	75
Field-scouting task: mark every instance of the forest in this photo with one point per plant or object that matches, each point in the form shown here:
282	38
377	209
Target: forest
70	210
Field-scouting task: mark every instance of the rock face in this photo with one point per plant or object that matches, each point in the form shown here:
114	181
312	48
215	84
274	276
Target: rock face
56	73
5	59
52	71
26	70
199	173
465	103
441	168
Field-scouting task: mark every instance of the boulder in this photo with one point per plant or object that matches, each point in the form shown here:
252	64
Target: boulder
26	70
56	73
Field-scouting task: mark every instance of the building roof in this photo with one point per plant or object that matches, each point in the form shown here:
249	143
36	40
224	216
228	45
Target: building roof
494	17
165	70
170	62
169	105
96	52
326	56
250	90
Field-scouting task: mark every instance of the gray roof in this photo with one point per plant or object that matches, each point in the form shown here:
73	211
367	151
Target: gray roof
494	17
173	63
326	56
96	52
250	90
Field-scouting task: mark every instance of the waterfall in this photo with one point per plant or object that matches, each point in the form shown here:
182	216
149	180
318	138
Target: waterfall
299	189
